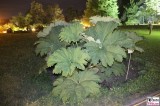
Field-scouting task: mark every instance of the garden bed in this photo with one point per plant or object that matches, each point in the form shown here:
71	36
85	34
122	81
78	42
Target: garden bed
21	84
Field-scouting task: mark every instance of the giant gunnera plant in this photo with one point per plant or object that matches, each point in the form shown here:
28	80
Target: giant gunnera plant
74	52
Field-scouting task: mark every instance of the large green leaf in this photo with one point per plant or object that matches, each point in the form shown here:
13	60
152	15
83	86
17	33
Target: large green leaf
67	60
76	88
45	32
125	39
101	30
50	43
119	38
108	43
72	32
117	69
135	38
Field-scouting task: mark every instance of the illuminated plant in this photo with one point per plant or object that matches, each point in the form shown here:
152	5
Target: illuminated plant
75	52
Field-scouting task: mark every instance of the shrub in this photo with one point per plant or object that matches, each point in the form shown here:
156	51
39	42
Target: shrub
75	51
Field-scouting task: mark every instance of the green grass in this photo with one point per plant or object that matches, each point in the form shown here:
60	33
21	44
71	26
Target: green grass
151	46
19	67
22	85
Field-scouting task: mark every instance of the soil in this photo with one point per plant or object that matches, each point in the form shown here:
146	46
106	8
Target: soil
117	80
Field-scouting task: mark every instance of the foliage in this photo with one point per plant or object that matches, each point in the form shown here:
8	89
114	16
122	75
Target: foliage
108	8
40	14
1	29
47	45
119	95
151	11
48	28
142	11
133	12
71	33
77	87
7	26
28	19
116	69
18	20
58	15
91	8
12	26
22	21
152	6
54	13
135	39
111	43
37	12
101	7
67	60
101	45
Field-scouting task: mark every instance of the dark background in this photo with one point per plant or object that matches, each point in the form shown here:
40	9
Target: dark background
9	8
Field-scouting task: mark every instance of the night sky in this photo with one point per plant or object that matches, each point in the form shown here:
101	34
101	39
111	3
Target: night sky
9	8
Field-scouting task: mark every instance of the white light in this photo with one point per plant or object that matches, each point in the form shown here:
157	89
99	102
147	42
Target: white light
33	29
4	32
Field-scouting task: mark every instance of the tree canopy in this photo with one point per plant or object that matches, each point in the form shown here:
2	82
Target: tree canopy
108	8
102	8
18	20
37	12
91	8
53	13
142	11
38	15
152	6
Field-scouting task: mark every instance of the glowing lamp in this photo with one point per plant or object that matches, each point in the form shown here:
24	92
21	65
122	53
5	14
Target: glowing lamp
4	31
33	29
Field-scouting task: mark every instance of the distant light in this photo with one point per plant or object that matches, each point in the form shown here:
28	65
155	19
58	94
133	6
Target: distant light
33	29
85	24
4	31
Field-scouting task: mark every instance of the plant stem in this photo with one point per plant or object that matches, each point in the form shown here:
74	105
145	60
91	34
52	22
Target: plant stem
128	66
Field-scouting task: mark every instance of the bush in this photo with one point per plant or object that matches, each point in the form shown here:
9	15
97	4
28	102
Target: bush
75	51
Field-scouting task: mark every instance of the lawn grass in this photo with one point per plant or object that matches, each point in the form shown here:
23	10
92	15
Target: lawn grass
151	46
19	67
